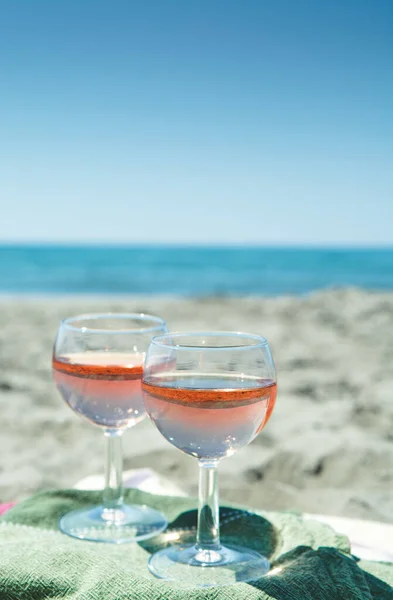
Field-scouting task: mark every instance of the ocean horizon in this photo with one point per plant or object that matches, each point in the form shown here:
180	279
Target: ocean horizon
109	269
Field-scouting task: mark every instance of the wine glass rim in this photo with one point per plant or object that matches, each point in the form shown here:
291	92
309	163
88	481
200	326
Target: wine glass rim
159	323
259	340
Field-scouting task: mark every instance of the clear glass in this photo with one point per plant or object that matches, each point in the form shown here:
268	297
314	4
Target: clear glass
97	368
209	394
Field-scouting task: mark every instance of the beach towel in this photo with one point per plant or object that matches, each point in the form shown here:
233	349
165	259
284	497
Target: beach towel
309	560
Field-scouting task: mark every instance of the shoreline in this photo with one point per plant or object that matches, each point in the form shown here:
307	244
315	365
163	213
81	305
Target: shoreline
333	289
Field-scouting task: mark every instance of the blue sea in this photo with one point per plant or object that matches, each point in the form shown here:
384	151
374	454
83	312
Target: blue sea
189	271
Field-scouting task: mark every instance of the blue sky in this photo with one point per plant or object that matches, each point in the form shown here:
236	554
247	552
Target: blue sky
222	121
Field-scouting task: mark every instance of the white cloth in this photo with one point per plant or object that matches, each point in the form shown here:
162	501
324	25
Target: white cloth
369	539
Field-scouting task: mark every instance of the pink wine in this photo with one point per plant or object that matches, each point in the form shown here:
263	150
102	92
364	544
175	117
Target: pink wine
103	387
209	416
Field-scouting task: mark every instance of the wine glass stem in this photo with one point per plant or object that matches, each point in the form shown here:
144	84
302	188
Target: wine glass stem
113	492
208	534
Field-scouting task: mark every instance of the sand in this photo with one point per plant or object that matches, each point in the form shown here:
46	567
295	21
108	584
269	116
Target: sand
327	449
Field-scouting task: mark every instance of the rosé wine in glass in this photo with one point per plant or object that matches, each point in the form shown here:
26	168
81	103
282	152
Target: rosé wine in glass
103	387
97	367
209	394
209	416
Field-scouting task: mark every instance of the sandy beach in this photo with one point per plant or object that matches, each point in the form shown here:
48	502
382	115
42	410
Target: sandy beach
328	447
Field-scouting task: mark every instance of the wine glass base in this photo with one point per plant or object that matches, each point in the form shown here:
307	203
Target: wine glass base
191	567
128	523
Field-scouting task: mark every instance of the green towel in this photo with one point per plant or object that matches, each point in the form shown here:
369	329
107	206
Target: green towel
309	560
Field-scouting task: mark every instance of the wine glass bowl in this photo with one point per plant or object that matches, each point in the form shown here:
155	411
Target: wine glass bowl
98	365
97	368
209	404
209	394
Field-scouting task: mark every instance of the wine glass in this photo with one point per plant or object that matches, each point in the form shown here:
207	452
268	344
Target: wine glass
209	394
97	368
